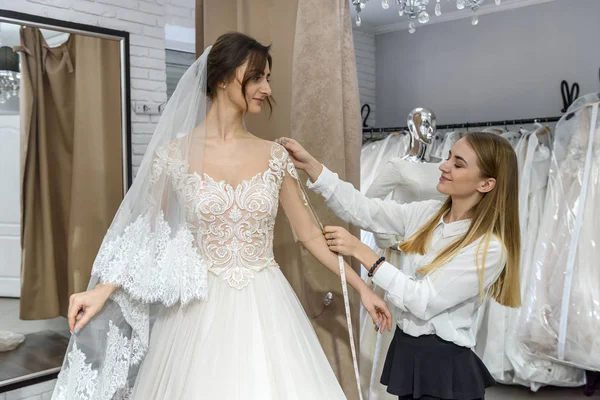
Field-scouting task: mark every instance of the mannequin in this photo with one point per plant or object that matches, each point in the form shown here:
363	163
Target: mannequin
412	177
421	124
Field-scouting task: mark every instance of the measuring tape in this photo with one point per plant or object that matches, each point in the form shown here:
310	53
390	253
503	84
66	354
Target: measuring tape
349	320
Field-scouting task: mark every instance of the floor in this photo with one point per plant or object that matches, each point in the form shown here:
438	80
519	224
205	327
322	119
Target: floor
43	350
519	393
43	391
41	353
9	320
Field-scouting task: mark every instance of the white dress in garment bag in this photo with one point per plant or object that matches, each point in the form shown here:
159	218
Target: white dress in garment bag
372	157
250	339
493	317
528	370
497	343
406	182
561	313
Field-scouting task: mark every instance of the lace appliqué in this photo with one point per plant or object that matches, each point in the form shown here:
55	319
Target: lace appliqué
79	381
149	265
152	265
233	224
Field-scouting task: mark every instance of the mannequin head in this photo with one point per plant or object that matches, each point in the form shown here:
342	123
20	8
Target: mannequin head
421	125
239	69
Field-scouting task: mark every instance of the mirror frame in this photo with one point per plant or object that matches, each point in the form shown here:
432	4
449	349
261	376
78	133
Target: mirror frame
36	21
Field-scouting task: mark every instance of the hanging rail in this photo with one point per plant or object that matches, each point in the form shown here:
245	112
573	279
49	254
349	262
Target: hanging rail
470	125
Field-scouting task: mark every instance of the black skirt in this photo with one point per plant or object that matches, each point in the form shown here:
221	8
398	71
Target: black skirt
427	367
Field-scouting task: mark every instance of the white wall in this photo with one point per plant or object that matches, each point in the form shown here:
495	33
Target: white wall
508	67
180	22
145	21
10	207
364	49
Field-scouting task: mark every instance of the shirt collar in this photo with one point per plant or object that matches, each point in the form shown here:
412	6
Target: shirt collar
453	228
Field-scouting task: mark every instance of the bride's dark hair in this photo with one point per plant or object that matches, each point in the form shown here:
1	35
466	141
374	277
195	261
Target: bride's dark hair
228	53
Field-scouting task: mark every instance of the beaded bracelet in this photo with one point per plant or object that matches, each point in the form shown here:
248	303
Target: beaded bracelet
374	267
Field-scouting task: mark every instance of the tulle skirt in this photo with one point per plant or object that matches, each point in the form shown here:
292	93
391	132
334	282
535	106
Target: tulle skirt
253	343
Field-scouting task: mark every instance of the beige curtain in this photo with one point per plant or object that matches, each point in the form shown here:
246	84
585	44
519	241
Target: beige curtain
71	164
314	84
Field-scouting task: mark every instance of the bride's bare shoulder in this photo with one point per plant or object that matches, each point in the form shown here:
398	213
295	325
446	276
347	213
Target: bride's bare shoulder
261	144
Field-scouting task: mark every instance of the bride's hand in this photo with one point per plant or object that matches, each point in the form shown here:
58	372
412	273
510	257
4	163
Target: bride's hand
85	305
301	158
377	309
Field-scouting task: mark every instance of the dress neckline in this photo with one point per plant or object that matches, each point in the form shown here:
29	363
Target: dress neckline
206	177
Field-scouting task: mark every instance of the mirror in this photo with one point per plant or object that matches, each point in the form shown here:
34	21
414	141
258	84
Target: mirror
65	166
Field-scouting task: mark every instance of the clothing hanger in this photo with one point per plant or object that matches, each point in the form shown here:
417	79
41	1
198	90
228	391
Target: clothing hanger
542	129
568	95
545	134
366	117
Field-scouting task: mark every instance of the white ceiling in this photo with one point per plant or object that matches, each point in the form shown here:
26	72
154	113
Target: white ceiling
377	20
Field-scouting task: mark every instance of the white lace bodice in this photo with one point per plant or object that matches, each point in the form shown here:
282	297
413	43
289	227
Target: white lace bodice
233	225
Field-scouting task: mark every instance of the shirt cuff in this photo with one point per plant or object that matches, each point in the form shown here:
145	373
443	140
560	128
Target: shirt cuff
392	280
324	185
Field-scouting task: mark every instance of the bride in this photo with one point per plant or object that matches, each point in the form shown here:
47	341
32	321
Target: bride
186	300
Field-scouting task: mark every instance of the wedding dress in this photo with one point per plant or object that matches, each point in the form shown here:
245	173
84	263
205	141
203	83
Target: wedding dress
442	150
497	342
533	178
561	312
372	157
250	339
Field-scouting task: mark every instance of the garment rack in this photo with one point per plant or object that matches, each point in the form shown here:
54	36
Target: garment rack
468	125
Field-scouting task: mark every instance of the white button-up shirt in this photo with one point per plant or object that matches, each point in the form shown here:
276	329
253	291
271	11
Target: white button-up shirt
443	302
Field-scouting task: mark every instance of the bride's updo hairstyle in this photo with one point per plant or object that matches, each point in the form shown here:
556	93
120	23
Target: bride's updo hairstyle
230	52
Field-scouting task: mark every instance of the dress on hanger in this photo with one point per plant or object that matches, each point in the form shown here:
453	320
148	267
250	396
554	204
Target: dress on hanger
513	137
497	342
533	178
492	316
372	157
406	182
449	140
561	312
437	143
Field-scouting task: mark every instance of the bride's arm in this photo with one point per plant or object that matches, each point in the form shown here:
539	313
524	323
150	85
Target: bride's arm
307	231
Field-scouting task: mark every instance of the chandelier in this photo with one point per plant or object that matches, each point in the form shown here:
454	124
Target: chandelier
10	78
416	10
